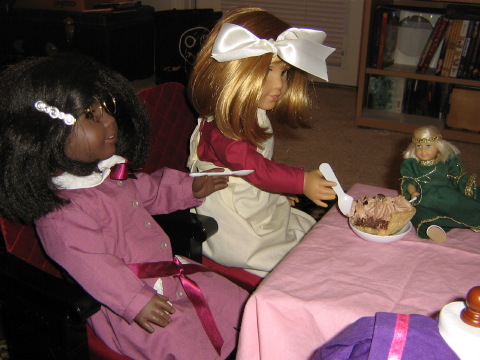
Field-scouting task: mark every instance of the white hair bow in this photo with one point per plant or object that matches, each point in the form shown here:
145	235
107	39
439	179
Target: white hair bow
301	48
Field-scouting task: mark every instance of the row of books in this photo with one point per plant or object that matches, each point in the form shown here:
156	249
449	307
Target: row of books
409	96
446	44
459	44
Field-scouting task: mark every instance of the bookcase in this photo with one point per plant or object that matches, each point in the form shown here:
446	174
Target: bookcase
397	86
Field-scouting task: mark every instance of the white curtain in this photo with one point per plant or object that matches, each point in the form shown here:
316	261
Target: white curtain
326	15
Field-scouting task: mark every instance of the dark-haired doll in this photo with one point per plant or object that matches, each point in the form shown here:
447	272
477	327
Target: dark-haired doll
65	122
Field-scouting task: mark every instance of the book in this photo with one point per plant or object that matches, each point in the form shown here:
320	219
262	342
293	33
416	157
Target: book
444	46
451	46
459	44
385	93
468	47
426	98
473	57
387	37
443	96
391	35
476	69
376	32
428	44
381	45
432	46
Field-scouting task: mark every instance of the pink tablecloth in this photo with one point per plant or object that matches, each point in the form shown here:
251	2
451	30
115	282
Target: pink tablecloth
333	277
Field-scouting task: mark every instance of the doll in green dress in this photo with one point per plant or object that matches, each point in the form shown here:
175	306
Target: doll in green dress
444	195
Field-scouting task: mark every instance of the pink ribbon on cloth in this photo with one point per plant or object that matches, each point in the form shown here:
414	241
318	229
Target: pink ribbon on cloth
176	269
399	337
122	171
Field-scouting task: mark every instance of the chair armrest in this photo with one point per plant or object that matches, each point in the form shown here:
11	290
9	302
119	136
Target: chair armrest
187	231
46	293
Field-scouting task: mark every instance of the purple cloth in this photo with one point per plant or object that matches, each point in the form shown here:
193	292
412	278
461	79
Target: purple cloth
371	338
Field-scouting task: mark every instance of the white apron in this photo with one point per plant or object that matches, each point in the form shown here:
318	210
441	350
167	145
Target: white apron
256	229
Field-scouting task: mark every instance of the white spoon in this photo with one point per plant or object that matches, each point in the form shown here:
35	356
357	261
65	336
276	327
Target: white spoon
236	173
344	201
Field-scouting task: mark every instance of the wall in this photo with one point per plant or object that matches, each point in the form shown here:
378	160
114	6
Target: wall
183	4
346	74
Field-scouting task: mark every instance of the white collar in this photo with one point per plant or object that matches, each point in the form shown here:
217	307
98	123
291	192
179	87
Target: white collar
69	181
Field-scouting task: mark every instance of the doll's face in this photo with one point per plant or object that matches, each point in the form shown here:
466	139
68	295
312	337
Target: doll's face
426	151
275	85
94	136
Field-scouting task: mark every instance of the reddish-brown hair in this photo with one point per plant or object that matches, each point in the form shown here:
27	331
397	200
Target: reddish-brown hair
230	91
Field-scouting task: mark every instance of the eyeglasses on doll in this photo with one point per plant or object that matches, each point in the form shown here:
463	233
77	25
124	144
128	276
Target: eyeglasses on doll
109	104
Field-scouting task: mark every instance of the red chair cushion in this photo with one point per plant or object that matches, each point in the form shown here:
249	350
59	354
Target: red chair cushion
21	241
173	121
100	351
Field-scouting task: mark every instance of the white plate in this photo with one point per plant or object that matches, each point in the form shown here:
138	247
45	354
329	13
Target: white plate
382	239
236	173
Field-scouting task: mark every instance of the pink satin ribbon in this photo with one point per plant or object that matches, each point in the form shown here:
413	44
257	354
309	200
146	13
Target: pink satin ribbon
399	337
176	269
122	172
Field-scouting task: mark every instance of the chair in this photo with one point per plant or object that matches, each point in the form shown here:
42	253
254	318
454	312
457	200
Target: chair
43	312
173	121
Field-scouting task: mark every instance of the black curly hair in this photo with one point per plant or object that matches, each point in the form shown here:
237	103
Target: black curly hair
32	145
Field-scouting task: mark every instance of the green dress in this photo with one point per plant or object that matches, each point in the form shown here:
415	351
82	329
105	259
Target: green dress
448	197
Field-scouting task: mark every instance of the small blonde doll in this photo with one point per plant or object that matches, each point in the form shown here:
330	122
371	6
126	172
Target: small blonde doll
444	196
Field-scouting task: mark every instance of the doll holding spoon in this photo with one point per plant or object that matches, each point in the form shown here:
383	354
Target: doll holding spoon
243	77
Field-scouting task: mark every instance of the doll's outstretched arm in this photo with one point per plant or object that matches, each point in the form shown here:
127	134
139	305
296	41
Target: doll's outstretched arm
317	189
157	312
203	186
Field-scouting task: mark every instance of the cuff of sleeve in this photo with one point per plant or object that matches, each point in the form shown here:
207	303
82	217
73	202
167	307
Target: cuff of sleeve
299	179
138	303
187	190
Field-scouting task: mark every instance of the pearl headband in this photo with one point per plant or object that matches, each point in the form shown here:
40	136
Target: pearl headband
54	113
301	48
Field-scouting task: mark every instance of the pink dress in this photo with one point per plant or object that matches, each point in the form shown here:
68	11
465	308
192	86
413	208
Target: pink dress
108	226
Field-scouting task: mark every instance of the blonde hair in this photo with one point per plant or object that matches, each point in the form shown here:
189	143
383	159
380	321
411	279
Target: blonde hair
430	134
230	91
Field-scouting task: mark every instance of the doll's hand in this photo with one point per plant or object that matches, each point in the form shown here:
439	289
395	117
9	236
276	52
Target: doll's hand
293	199
415	195
412	190
316	188
205	185
155	312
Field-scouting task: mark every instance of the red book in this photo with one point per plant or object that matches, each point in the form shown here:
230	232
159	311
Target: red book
381	45
436	38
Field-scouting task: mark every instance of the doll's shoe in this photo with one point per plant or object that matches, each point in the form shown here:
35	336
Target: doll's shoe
436	233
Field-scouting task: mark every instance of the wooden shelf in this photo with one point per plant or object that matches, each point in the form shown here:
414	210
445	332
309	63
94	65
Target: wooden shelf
399	121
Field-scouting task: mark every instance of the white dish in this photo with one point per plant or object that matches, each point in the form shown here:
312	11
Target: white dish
382	239
235	173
